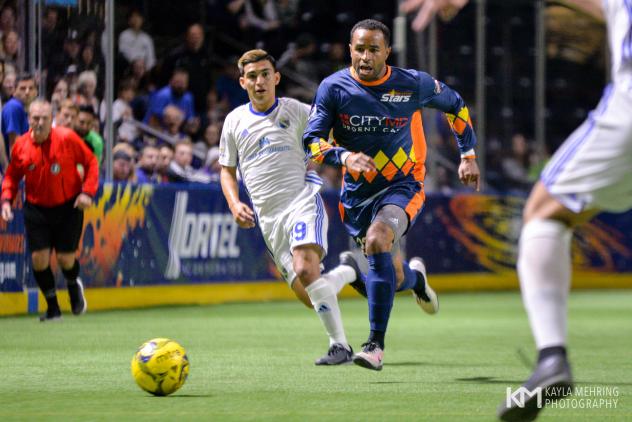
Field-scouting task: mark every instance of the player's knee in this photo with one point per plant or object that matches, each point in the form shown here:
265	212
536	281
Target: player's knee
379	238
66	260
40	259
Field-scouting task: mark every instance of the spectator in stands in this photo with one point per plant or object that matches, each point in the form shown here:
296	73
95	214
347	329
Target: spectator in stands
144	85
67	114
11	49
122	111
180	170
259	19
67	62
515	164
60	93
86	90
210	141
8	20
172	120
90	59
147	163
192	56
52	35
175	93
123	163
300	57
228	93
83	126
8	85
134	43
164	159
14	116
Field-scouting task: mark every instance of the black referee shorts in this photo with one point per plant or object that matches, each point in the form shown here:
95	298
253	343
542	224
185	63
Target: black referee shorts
56	228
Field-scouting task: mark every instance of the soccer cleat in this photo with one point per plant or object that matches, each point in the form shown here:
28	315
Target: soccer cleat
51	316
553	377
424	295
346	258
336	355
78	302
370	357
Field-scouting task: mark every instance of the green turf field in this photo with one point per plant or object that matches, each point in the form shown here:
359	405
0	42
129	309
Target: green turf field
255	362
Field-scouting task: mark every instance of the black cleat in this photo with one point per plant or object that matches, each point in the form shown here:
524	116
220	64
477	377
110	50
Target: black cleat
78	302
553	377
336	355
346	258
51	316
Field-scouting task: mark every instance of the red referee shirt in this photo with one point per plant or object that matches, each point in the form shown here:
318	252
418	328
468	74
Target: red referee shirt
50	168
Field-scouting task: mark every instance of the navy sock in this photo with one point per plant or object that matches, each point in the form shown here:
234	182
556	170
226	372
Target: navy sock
410	278
380	286
46	282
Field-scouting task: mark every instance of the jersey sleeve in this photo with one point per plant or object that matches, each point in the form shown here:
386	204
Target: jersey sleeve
437	95
227	145
321	119
13	176
88	160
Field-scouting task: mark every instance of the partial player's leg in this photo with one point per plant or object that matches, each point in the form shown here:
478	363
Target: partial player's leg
39	238
323	296
590	171
66	236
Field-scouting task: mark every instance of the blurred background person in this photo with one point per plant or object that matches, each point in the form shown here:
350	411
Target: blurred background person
147	163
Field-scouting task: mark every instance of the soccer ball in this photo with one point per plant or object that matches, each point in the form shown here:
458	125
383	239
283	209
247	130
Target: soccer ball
160	366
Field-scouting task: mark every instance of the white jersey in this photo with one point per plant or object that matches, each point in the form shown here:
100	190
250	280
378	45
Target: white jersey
618	14
268	149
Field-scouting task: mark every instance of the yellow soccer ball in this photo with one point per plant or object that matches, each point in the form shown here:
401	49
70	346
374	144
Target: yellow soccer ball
160	366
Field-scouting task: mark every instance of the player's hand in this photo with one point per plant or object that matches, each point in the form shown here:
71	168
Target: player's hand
469	174
358	161
7	213
243	215
83	201
446	9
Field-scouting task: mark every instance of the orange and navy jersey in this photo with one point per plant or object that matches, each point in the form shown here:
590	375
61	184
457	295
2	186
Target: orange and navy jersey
383	120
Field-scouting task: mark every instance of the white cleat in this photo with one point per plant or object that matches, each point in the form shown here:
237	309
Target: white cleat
424	295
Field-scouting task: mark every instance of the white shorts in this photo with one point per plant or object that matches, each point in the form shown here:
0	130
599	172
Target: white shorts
592	170
304	221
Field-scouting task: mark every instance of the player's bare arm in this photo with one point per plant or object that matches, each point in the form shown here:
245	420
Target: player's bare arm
243	215
427	9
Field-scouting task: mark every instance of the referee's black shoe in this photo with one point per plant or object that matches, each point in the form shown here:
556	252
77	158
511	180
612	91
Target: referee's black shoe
78	302
51	316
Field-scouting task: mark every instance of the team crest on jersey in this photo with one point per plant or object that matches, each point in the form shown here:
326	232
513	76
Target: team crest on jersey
284	123
55	168
31	167
263	142
393	96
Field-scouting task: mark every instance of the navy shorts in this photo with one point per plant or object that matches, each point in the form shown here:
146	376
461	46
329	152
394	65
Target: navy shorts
409	196
56	228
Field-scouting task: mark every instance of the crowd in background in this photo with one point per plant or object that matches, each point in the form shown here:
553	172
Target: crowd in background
182	91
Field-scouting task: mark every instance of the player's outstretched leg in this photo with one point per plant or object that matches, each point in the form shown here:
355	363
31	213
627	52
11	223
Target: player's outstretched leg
544	267
347	259
422	292
552	377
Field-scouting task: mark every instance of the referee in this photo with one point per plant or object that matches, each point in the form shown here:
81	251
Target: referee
47	157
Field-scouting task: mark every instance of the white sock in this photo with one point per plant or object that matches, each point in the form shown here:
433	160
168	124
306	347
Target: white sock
323	297
340	276
544	267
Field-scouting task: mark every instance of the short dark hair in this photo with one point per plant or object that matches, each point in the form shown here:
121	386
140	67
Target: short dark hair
87	109
254	56
373	25
24	77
